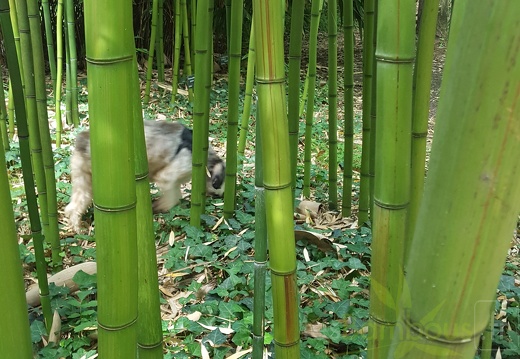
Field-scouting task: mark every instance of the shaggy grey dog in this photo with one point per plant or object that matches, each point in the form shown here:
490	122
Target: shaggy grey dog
168	146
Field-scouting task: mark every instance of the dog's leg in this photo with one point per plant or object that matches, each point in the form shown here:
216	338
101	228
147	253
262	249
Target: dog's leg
81	190
170	196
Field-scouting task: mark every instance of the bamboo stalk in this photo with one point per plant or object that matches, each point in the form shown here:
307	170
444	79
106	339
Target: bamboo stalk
235	57
272	113
187	49
111	84
149	65
160	41
68	83
309	116
395	58
15	337
348	102
52	231
3	119
50	42
464	226
293	99
421	108
368	60
332	8
10	110
59	72
25	155
73	60
201	109
373	120
177	49
248	95
260	251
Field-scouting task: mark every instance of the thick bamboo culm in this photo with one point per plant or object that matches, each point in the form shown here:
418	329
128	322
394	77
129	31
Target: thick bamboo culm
51	53
464	226
395	55
272	113
110	53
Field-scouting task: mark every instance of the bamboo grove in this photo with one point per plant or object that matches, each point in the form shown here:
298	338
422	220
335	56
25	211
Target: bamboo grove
453	213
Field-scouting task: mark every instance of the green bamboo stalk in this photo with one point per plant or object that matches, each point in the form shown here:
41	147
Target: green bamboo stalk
260	251
10	111
73	60
32	111
305	94
151	51
177	50
52	230
160	41
15	337
248	95
59	72
421	108
51	54
149	330
309	116
464	226
487	337
235	57
333	102
111	83
272	112
25	155
193	16
293	99
187	50
348	101
368	60
16	34
395	58
68	83
3	119
373	120
228	25
201	109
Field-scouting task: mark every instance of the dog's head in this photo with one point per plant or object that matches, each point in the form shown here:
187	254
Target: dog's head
216	174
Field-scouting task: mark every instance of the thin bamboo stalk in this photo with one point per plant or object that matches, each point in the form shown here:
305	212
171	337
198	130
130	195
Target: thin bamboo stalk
10	111
59	72
368	60
3	119
309	116
151	51
395	58
25	155
15	337
187	50
72	61
373	120
248	95
50	42
235	57
111	84
464	226
52	230
487	337
193	17
160	41
177	49
332	8
293	99
421	107
348	102
272	113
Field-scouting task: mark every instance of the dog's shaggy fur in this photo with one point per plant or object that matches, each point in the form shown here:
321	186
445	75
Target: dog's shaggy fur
168	147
